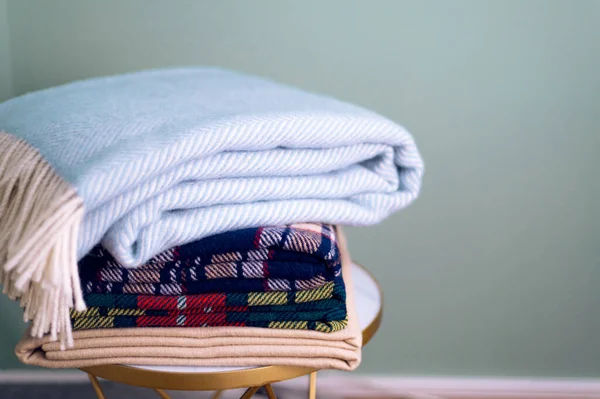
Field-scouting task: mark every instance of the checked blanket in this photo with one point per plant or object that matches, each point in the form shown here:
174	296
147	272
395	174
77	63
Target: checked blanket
282	258
272	277
321	309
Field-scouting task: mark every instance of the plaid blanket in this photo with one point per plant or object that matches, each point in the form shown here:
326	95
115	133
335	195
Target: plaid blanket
321	309
273	277
286	258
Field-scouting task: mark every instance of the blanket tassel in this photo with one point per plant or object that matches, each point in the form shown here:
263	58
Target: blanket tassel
40	215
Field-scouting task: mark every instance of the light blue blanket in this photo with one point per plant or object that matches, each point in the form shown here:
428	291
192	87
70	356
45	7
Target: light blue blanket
164	157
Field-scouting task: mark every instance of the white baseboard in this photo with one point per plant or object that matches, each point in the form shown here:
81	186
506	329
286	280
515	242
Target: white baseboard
335	384
397	386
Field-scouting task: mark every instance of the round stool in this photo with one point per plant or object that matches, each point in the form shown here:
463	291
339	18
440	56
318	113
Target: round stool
369	305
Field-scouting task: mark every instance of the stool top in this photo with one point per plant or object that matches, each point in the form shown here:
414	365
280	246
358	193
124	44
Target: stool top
368	299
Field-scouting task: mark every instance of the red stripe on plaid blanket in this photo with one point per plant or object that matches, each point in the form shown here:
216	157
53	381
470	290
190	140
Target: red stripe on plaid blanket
207	310
257	235
156	302
173	302
265	270
195	301
187	321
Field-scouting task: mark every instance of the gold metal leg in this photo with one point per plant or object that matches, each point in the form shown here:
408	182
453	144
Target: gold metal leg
96	386
217	395
249	393
162	394
270	392
312	387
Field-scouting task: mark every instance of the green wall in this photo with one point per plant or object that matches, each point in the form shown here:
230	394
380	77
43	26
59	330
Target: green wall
496	269
5	66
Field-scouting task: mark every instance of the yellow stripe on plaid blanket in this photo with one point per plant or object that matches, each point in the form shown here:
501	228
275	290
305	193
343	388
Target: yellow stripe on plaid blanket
95	322
95	312
281	298
323	292
295	325
267	298
331	326
89	312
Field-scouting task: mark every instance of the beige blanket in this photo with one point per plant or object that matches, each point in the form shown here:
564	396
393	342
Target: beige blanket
208	346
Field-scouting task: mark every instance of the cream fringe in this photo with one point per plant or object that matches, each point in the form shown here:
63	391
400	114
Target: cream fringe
40	215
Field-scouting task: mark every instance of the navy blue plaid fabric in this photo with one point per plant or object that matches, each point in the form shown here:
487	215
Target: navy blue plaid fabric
206	286
272	277
286	258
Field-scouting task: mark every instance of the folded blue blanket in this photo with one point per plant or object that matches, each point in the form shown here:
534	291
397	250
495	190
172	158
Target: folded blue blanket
146	161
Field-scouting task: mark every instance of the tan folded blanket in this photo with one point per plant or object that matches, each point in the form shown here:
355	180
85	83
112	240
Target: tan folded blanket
206	346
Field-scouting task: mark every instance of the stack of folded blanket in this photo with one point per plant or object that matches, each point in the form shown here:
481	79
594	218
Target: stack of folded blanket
187	216
272	277
325	339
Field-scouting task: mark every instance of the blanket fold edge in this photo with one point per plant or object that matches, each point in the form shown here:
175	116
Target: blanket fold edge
35	204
